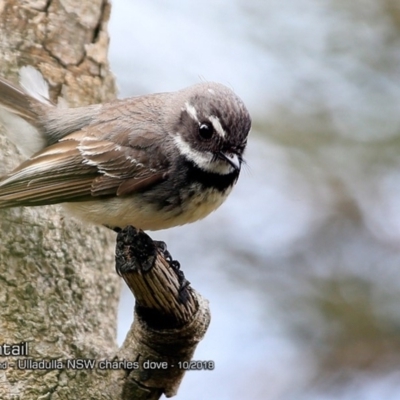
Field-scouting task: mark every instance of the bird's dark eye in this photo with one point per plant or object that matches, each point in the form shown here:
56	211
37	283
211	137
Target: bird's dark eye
206	130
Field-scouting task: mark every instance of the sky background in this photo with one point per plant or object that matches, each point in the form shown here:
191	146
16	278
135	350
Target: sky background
301	265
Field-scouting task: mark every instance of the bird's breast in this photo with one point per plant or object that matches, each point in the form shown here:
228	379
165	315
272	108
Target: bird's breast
201	202
136	211
187	195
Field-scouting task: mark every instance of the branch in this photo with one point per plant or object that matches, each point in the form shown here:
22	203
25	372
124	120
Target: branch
170	317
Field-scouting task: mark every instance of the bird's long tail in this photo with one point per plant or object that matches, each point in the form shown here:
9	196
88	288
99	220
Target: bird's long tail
21	109
16	101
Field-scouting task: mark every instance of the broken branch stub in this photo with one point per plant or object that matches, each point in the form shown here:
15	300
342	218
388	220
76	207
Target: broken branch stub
169	321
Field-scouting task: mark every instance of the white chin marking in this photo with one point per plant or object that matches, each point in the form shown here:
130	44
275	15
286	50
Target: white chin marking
204	160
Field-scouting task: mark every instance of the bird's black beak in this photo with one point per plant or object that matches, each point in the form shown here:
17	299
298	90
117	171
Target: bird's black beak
232	158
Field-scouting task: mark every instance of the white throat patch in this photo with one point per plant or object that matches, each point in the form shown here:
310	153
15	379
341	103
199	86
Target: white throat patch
204	160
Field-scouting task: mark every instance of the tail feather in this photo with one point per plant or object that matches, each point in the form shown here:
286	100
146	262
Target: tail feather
16	101
32	81
22	110
31	120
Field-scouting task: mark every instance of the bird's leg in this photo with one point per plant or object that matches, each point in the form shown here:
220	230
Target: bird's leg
162	246
128	235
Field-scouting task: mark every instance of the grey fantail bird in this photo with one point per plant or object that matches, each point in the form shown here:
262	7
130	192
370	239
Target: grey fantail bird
153	161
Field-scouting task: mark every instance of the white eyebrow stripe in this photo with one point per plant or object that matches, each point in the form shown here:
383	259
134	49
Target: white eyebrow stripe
191	110
217	125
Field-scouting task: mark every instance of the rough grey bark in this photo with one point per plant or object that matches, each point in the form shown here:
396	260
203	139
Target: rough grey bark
58	287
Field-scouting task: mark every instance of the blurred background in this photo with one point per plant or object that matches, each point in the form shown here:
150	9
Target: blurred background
301	265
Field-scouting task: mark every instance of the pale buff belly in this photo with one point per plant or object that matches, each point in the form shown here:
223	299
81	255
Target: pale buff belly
123	211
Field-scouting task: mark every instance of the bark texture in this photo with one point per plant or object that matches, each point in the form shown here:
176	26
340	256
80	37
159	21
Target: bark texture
58	287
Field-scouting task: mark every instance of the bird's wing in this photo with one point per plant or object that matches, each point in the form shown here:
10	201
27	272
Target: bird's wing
83	166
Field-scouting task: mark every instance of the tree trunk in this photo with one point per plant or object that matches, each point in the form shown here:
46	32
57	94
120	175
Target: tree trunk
59	290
